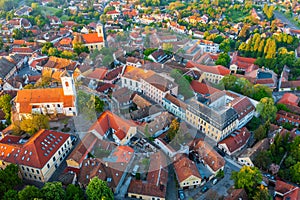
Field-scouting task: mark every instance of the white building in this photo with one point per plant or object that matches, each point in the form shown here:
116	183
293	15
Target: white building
48	100
39	157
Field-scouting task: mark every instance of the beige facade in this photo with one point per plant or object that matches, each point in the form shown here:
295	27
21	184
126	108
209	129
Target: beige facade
190	182
213	78
145	197
209	124
43	174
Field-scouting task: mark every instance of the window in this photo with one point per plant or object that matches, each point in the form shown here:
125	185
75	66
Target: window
37	171
34	177
27	169
58	105
48	165
32	170
54	158
23	168
48	106
70	109
40	178
58	152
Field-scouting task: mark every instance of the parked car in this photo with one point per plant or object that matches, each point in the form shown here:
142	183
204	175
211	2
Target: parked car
181	194
135	169
214	182
204	189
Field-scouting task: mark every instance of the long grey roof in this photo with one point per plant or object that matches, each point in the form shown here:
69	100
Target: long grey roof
219	119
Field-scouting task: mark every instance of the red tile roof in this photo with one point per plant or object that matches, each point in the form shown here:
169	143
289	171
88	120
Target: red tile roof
109	120
203	88
36	152
92	38
28	97
290	99
185	168
83	148
22	50
287	189
243	106
113	12
236	140
209	69
208	155
98	73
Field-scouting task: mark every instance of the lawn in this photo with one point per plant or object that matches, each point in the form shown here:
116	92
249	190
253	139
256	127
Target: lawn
45	10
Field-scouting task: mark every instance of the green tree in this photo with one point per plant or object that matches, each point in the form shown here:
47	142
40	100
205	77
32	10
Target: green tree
247	178
98	190
263	160
9	178
53	191
74	193
223	59
30	192
262	193
53	51
260	133
225	46
35	123
174	126
295	172
99	104
79	48
11	195
5	105
267	109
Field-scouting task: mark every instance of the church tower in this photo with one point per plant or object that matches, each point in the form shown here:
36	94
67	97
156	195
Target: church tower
100	30
68	86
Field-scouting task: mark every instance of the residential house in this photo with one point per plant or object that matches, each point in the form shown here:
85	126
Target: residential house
112	169
58	64
109	123
146	114
287	117
48	100
140	101
174	106
113	14
23	11
169	150
289	99
37	158
245	109
158	56
12	64
208	46
237	194
123	98
159	125
155	186
208	156
156	87
247	157
187	173
176	27
203	89
235	142
210	73
54	21
132	78
286	191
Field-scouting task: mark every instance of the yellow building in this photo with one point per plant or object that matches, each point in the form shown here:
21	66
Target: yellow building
217	124
187	173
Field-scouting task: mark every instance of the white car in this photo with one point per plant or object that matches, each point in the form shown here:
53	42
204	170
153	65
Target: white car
215	181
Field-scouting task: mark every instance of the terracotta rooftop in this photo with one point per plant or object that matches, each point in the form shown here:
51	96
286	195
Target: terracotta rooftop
290	99
237	139
208	155
108	120
35	152
92	38
98	73
209	69
28	97
203	88
185	168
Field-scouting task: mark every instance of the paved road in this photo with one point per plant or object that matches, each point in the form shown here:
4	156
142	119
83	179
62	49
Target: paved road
284	19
